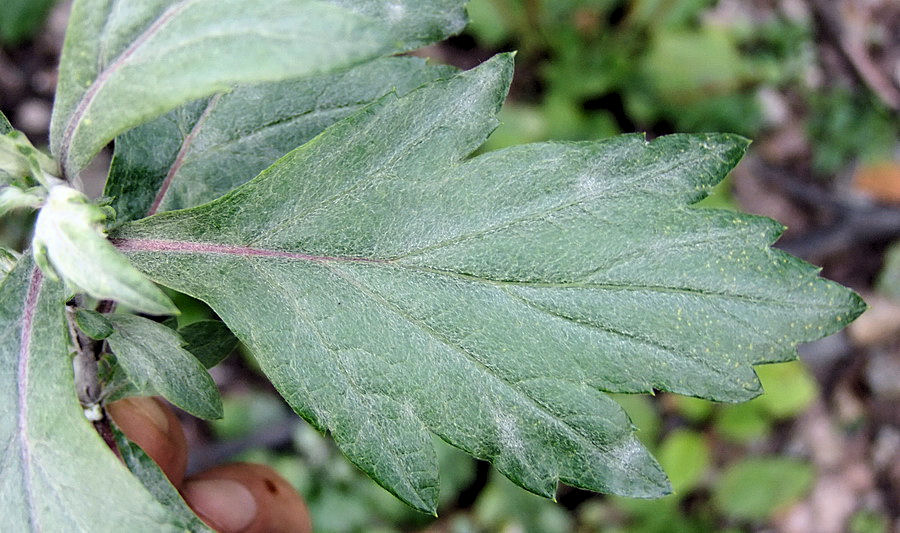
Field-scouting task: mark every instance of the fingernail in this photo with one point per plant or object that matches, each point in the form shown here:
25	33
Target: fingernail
224	504
151	409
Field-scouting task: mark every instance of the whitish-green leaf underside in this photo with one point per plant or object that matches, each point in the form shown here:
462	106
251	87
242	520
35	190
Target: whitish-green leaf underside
206	148
125	62
56	474
390	287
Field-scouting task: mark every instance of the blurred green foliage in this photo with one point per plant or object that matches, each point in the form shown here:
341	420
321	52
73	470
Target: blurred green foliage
503	506
246	413
846	127
869	522
21	19
602	67
653	64
686	456
789	387
753	489
889	280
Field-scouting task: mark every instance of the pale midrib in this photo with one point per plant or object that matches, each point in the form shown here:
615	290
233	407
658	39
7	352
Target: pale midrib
31	300
182	152
104	76
188	247
153	245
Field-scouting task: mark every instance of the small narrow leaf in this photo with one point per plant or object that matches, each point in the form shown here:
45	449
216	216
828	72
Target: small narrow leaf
149	473
56	474
8	260
5	126
209	340
195	48
69	242
93	324
12	197
152	357
203	150
404	288
23	164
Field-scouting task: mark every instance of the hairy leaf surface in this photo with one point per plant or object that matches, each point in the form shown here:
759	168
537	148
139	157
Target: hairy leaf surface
5	126
56	473
154	359
149	473
126	62
404	289
93	324
210	341
206	148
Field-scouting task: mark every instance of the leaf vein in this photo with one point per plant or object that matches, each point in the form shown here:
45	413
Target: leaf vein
470	356
91	93
182	152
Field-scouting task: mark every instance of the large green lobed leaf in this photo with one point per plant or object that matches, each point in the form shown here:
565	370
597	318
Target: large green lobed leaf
56	473
124	63
389	288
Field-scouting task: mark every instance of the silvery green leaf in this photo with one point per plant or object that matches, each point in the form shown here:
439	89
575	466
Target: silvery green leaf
210	341
153	478
21	163
206	148
12	197
93	324
56	474
390	286
5	126
153	358
8	260
124	63
114	382
69	242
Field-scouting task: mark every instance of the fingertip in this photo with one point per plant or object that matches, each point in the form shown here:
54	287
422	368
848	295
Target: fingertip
153	426
276	508
224	504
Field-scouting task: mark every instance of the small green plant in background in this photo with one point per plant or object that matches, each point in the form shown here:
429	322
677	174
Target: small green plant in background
393	288
846	127
658	62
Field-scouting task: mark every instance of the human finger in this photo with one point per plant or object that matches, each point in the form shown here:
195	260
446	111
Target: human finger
152	425
246	498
